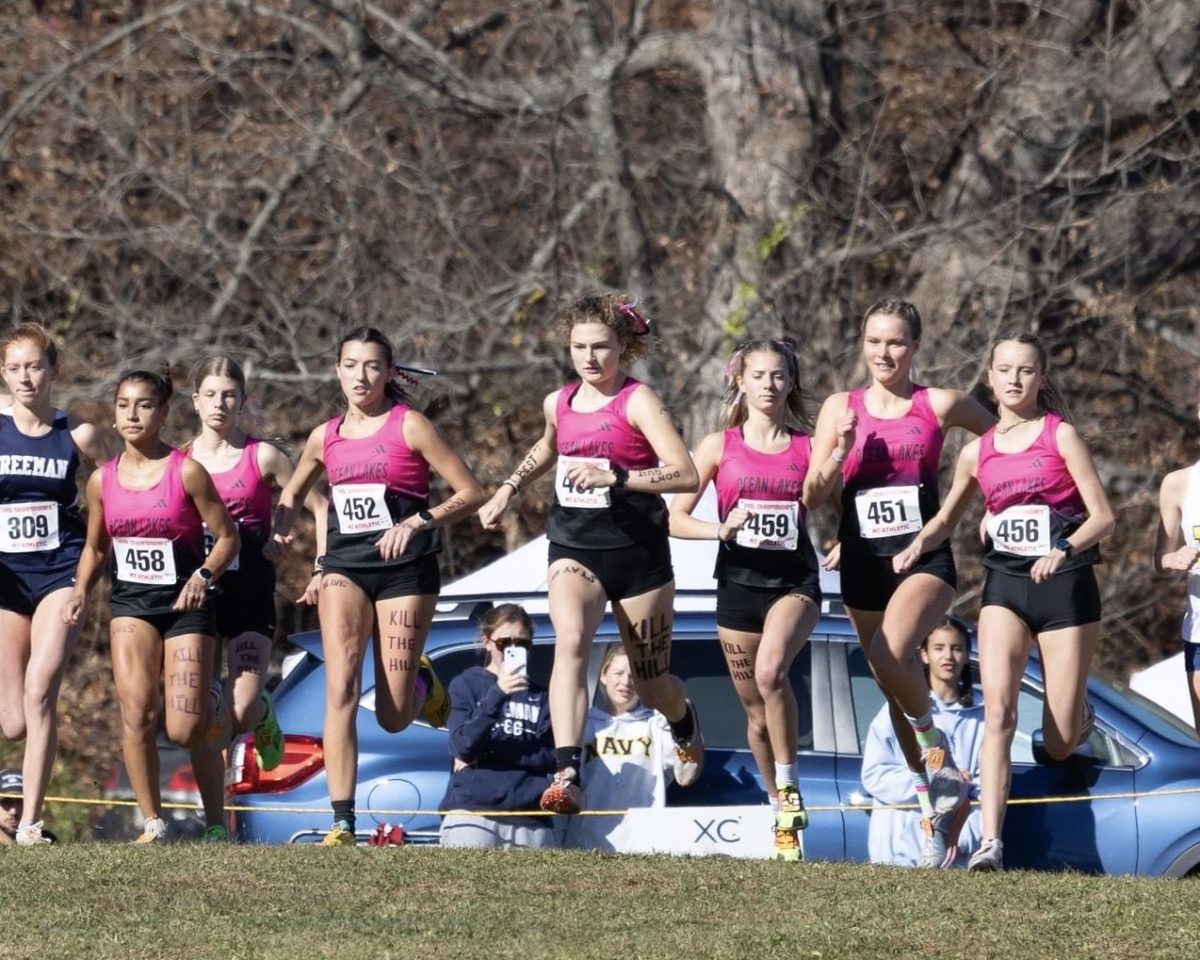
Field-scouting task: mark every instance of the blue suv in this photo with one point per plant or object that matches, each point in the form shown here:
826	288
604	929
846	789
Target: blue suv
1135	748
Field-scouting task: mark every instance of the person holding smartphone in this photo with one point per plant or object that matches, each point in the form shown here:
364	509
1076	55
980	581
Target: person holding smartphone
500	742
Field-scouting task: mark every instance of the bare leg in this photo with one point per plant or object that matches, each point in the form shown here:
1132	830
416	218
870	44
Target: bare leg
741	650
14	661
249	657
789	622
1066	659
137	658
189	661
646	622
403	626
52	643
577	604
347	617
1004	648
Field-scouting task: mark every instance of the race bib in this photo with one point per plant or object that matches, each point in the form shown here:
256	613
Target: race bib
361	507
145	560
1022	531
28	527
888	512
209	540
569	496
772	525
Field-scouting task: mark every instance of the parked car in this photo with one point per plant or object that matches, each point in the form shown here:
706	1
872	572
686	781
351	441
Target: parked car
1135	747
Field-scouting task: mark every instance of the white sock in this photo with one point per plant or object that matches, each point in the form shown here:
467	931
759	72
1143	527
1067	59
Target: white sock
785	774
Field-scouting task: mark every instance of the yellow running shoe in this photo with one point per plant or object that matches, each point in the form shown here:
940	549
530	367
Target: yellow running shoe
340	835
791	814
436	709
787	846
268	738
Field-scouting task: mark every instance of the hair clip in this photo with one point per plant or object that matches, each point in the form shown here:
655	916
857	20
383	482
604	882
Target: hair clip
637	322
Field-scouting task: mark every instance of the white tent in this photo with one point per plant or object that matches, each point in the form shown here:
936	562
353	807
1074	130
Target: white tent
1166	684
524	570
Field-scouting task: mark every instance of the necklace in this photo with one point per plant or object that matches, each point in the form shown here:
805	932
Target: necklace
1002	430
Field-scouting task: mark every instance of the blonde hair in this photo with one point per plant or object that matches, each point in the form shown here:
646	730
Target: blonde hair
733	400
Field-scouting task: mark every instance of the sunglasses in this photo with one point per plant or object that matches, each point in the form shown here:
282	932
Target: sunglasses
502	643
10	803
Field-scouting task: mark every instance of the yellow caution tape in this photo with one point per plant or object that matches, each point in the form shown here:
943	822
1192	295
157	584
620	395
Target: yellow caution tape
827	808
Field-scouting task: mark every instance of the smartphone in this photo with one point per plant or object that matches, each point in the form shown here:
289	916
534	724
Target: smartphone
516	659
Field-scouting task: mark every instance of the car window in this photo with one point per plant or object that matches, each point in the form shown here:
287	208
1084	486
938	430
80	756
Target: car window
700	663
864	691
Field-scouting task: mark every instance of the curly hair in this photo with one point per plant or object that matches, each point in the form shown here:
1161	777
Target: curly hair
617	311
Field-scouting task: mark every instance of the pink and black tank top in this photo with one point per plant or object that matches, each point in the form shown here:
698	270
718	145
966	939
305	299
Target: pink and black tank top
157	538
773	548
890	477
614	517
1031	500
375	482
247	496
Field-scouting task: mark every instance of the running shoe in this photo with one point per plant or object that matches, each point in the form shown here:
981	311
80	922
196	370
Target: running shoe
790	813
989	858
947	786
689	754
436	708
31	835
787	846
153	831
941	836
340	835
215	834
563	795
268	738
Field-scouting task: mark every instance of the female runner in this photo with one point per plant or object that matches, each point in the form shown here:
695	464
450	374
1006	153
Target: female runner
150	505
1176	547
244	471
1046	513
381	576
768	585
884	443
608	531
41	535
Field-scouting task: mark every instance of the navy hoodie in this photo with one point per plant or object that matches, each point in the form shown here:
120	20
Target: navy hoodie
505	740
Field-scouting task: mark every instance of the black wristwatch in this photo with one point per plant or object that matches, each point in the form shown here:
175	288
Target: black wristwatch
1063	544
620	476
425	517
207	576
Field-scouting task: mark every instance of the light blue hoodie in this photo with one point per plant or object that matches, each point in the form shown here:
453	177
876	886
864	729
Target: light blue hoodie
895	836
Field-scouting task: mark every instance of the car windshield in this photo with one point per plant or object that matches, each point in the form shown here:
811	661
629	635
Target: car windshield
1160	720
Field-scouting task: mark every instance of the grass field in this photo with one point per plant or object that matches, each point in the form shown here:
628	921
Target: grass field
190	902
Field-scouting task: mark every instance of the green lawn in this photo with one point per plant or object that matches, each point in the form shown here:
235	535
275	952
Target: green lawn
188	901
